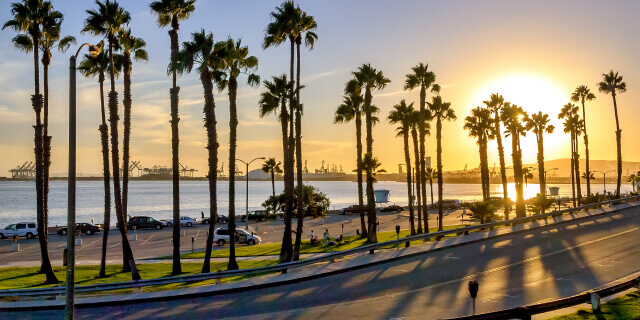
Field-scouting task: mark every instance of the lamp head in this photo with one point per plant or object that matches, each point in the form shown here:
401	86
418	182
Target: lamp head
94	50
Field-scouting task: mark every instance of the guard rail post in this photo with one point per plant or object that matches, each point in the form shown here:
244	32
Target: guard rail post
595	301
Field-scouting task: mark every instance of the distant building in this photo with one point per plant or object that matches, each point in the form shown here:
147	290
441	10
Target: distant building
427	161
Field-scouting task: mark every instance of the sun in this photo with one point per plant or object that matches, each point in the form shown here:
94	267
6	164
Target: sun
533	93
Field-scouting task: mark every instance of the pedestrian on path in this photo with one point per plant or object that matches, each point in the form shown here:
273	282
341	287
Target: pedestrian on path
326	237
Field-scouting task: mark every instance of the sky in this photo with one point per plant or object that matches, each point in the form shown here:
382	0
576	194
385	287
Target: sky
534	53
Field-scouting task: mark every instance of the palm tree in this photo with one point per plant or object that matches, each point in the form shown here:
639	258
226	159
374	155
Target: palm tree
495	104
29	17
233	60
402	114
633	178
370	79
527	174
482	210
304	27
422	207
91	67
130	45
352	109
588	174
171	12
572	125
539	124
107	21
199	53
480	126
581	94
50	38
277	32
512	116
273	98
431	174
271	166
611	84
441	111
424	79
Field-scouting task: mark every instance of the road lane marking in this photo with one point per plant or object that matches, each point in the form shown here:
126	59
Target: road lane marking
88	245
148	239
117	243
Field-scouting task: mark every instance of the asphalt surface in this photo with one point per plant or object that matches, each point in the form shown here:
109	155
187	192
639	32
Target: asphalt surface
514	271
158	243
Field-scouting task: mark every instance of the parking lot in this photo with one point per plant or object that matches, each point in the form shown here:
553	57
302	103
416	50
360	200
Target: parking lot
158	243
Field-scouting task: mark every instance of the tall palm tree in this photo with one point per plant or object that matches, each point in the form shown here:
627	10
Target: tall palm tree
29	17
107	21
495	104
424	79
633	178
233	60
130	46
91	67
304	27
272	167
431	174
279	30
572	126
527	173
370	79
272	100
50	39
199	53
422	205
512	116
539	124
171	12
480	126
612	84
352	109
441	111
402	114
581	94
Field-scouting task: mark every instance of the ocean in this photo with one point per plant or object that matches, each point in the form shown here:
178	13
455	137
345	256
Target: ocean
154	198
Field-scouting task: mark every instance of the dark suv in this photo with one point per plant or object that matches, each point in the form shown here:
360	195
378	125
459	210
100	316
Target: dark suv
354	208
144	222
258	215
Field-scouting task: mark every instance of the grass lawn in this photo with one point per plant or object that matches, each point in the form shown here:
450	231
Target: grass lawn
349	242
625	307
28	277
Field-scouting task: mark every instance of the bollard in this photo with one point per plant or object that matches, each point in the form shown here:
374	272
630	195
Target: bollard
64	257
193	240
134	236
183	233
15	247
398	235
218	280
595	301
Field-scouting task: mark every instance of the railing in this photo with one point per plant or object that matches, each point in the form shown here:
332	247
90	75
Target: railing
283	267
525	313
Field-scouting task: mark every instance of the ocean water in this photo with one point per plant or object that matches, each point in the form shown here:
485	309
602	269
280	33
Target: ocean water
154	198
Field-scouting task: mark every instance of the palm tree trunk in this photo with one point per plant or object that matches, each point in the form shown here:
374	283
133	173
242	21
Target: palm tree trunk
483	173
407	160
618	144
503	168
299	191
439	173
175	148
541	174
212	148
126	102
418	183
273	182
46	157
233	126
577	164
573	169
126	247
422	170
518	176
363	226
586	149
372	237
104	139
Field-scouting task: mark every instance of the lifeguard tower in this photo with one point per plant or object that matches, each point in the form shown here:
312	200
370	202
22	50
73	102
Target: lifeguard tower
382	195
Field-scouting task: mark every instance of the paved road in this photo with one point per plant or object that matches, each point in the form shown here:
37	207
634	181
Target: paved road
153	243
513	271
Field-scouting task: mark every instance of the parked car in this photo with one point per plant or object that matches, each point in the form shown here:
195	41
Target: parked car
222	236
139	222
184	221
20	229
447	204
221	218
354	208
87	228
258	215
392	207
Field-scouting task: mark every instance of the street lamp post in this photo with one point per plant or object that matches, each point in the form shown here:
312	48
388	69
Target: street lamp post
71	183
246	210
545	180
604	182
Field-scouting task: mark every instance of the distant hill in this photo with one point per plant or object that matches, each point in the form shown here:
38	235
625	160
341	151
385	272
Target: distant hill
564	167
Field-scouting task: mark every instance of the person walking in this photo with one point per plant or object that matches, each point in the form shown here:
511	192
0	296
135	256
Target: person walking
326	237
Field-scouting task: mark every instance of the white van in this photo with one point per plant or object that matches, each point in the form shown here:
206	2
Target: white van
221	236
21	229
